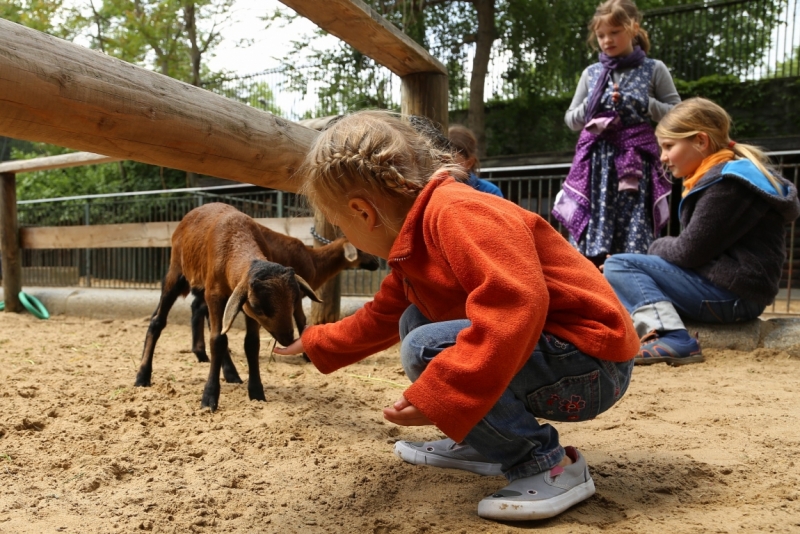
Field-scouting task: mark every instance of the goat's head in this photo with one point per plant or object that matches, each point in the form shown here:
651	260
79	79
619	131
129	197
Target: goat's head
270	294
359	259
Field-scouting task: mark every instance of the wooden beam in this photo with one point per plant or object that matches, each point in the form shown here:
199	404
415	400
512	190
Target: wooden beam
363	28
75	159
9	242
135	235
61	93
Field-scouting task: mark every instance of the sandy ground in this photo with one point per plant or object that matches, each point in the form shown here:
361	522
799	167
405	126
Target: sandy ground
713	447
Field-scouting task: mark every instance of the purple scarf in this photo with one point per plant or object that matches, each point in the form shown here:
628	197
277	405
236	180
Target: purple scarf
610	64
635	143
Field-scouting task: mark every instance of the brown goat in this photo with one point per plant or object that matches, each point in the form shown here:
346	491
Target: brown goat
221	250
315	265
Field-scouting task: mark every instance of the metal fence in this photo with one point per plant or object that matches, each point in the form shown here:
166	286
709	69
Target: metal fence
532	187
144	267
749	39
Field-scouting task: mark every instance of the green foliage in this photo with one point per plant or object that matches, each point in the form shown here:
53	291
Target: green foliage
759	108
346	79
535	123
48	16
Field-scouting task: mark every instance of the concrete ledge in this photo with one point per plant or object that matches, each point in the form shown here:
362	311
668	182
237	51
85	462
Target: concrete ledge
135	303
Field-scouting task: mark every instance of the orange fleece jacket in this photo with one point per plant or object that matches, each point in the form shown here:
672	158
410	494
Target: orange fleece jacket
463	254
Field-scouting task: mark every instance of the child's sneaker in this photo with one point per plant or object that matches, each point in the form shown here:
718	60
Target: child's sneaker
445	453
543	495
675	348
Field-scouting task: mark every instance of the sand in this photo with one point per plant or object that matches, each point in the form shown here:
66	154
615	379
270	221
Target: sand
713	447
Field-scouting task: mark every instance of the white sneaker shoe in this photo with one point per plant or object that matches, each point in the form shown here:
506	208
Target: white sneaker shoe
445	453
542	495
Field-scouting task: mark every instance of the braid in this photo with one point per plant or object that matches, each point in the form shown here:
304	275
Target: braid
376	165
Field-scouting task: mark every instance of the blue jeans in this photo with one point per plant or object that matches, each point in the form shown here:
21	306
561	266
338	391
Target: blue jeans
558	383
657	293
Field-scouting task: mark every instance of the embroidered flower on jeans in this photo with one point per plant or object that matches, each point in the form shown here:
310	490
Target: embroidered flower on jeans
574	404
554	398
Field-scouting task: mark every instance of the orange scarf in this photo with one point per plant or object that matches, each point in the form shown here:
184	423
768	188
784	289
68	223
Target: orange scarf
714	159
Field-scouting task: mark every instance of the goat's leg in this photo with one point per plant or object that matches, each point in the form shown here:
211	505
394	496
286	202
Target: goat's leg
219	347
199	319
229	372
252	344
173	286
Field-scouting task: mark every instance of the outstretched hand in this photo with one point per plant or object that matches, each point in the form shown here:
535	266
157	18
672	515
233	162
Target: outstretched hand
404	413
295	348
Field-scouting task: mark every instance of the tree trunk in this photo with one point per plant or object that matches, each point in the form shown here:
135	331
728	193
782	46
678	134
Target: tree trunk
480	67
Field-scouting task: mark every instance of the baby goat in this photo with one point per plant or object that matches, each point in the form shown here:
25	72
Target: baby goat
221	250
314	265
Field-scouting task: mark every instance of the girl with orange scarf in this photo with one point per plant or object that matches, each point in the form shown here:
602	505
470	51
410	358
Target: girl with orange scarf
726	264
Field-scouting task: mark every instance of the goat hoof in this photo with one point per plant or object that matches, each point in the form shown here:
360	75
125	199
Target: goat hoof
202	357
232	379
257	394
142	382
211	404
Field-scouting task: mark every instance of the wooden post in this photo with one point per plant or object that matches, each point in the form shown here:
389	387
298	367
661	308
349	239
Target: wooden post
9	242
425	94
331	291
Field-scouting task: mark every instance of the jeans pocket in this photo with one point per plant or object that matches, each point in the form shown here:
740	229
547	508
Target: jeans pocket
573	398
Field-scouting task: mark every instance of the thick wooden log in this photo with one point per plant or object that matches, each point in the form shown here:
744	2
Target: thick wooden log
363	28
61	93
9	241
331	291
137	235
425	94
75	159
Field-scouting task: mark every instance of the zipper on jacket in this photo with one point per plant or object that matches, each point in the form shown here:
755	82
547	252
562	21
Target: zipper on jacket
410	289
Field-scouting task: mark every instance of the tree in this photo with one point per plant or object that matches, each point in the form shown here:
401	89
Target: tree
170	36
542	43
48	16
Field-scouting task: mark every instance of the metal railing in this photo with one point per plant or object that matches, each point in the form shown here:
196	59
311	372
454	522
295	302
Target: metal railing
141	267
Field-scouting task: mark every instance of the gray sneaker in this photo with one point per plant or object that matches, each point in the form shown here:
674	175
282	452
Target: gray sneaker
445	453
542	495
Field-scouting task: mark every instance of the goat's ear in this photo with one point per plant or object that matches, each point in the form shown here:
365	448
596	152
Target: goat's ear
306	289
234	305
350	252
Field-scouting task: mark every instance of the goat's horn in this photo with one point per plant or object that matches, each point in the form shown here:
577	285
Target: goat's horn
305	288
234	305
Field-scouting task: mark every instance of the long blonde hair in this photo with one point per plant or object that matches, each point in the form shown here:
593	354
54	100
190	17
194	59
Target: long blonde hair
371	153
619	13
696	115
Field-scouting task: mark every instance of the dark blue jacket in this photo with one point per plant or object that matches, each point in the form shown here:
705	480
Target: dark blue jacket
483	185
734	230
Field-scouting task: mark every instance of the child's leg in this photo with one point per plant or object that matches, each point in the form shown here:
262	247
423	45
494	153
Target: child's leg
654	290
558	383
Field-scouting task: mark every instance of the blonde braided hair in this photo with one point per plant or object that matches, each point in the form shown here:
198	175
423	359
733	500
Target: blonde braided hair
372	152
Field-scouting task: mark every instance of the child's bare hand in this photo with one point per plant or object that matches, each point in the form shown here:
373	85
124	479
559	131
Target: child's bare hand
601	266
615	96
404	413
295	348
